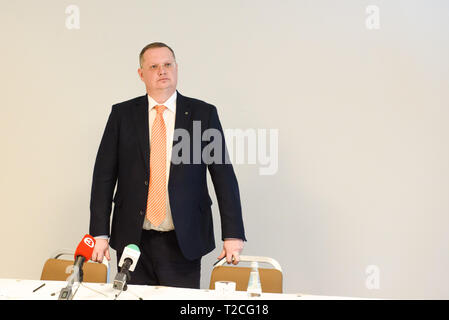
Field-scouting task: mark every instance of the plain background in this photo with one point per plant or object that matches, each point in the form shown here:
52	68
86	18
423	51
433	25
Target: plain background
363	176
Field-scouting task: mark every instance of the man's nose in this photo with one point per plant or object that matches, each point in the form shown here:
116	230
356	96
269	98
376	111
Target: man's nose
161	70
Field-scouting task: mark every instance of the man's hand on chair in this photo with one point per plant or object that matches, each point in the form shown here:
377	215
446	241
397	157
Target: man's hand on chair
231	249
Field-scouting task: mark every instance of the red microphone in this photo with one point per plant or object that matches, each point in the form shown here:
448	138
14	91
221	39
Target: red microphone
84	253
85	248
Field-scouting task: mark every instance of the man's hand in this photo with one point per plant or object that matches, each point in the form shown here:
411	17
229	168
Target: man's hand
101	250
231	248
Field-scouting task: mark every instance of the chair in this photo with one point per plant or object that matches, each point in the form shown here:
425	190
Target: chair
60	269
270	278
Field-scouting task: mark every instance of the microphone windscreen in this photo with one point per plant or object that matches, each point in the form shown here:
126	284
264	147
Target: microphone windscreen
85	247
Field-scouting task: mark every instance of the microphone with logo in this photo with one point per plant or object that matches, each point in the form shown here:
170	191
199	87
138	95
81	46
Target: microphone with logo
83	253
127	263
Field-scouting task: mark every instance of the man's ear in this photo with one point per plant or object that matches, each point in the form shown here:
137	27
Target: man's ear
139	71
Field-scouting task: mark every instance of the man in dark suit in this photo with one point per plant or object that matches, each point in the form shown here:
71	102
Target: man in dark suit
162	204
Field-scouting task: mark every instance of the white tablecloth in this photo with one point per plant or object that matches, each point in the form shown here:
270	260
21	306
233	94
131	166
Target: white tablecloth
23	290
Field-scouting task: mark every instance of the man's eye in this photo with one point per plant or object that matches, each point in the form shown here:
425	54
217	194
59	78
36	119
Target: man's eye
153	67
167	65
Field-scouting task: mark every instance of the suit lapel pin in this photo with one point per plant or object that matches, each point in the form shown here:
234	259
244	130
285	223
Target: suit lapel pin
186	113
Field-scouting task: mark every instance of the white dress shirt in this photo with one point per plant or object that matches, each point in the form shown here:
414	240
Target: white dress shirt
169	120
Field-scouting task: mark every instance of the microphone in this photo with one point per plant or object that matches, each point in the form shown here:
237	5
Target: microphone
127	263
83	253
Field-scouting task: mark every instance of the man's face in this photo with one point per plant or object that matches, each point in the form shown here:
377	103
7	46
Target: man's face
159	70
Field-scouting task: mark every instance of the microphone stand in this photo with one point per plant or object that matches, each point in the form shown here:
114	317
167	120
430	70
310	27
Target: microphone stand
66	293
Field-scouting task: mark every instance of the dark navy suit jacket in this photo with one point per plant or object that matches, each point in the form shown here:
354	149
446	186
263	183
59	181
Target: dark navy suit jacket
124	157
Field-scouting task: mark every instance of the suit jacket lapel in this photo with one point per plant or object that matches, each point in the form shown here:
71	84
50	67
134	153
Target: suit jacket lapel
183	114
141	120
182	121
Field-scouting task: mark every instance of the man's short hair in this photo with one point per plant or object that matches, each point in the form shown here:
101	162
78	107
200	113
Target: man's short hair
151	46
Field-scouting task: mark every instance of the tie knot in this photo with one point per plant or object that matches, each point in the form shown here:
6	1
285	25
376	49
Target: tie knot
160	108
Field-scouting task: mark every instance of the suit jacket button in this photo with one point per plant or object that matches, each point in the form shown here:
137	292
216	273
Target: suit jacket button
141	212
146	182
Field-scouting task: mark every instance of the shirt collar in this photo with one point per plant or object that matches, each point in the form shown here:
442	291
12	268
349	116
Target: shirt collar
170	103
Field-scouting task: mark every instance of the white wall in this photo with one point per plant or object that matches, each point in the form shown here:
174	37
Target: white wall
362	114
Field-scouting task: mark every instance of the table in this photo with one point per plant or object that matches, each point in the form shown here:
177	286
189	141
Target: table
19	289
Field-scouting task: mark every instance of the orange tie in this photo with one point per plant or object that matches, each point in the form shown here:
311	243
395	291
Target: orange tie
156	201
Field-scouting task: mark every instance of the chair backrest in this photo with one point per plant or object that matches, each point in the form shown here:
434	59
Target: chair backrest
270	279
60	269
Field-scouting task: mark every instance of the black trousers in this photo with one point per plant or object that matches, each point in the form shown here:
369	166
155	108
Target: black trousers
162	263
